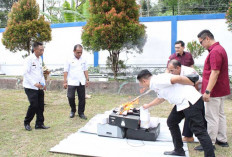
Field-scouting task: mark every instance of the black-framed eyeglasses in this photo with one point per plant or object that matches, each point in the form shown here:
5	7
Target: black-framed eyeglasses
202	40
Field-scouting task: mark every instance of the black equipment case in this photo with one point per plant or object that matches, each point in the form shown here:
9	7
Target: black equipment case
128	121
150	134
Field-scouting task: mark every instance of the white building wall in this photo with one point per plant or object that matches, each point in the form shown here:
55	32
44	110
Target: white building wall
188	31
55	54
156	50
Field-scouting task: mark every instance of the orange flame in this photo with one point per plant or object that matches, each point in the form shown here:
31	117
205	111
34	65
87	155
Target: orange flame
127	106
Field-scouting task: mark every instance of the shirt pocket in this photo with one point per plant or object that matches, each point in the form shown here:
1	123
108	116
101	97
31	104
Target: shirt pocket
76	66
207	65
187	62
83	66
33	66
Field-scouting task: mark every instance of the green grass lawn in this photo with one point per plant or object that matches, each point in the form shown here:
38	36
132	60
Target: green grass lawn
15	141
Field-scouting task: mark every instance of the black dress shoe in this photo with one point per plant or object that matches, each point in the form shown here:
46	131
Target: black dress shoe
82	116
41	127
72	114
182	153
222	144
200	148
27	127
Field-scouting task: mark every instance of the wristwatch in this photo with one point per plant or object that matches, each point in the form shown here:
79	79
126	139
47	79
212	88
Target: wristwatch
207	91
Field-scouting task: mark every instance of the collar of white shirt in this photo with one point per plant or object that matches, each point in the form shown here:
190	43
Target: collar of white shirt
74	57
34	56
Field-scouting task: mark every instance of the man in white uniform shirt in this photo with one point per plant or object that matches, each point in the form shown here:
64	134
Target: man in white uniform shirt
75	79
34	84
188	102
175	67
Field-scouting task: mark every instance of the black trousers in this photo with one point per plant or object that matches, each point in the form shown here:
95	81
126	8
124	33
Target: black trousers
194	114
81	97
186	129
36	99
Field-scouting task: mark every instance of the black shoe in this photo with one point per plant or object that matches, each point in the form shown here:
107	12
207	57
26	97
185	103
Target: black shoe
41	127
82	116
182	153
200	148
222	144
28	127
72	114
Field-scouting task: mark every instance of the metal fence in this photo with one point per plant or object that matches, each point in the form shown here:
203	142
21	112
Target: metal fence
184	10
159	10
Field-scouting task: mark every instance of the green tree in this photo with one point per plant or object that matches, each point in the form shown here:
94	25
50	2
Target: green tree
172	4
145	7
3	18
114	26
205	6
83	9
229	17
5	6
25	26
67	12
181	7
52	13
68	16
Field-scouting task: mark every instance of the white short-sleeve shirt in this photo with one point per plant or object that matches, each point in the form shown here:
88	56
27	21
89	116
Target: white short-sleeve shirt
188	70
177	94
75	68
33	72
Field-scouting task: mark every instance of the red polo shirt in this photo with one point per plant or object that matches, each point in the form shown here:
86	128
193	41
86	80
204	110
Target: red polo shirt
216	60
186	58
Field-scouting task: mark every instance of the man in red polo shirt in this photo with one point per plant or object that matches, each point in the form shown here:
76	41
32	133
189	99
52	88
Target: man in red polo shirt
215	86
185	58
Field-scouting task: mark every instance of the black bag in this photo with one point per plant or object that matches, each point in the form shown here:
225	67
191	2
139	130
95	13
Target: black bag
193	77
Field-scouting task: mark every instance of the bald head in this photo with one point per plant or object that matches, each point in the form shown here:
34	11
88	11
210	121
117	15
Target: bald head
174	67
77	51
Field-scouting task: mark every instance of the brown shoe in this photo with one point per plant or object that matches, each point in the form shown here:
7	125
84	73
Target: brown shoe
188	139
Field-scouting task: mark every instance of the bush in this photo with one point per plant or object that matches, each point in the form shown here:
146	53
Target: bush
195	49
229	17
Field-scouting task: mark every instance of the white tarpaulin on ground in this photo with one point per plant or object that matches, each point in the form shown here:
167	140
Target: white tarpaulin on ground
87	143
93	145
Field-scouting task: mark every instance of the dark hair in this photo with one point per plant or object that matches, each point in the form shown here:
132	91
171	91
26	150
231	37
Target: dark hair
175	63
144	74
36	44
180	42
77	46
205	33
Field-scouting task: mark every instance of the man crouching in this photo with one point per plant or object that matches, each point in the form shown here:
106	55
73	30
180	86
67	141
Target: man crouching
188	102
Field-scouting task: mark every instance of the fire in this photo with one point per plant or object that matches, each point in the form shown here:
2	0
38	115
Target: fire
127	106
